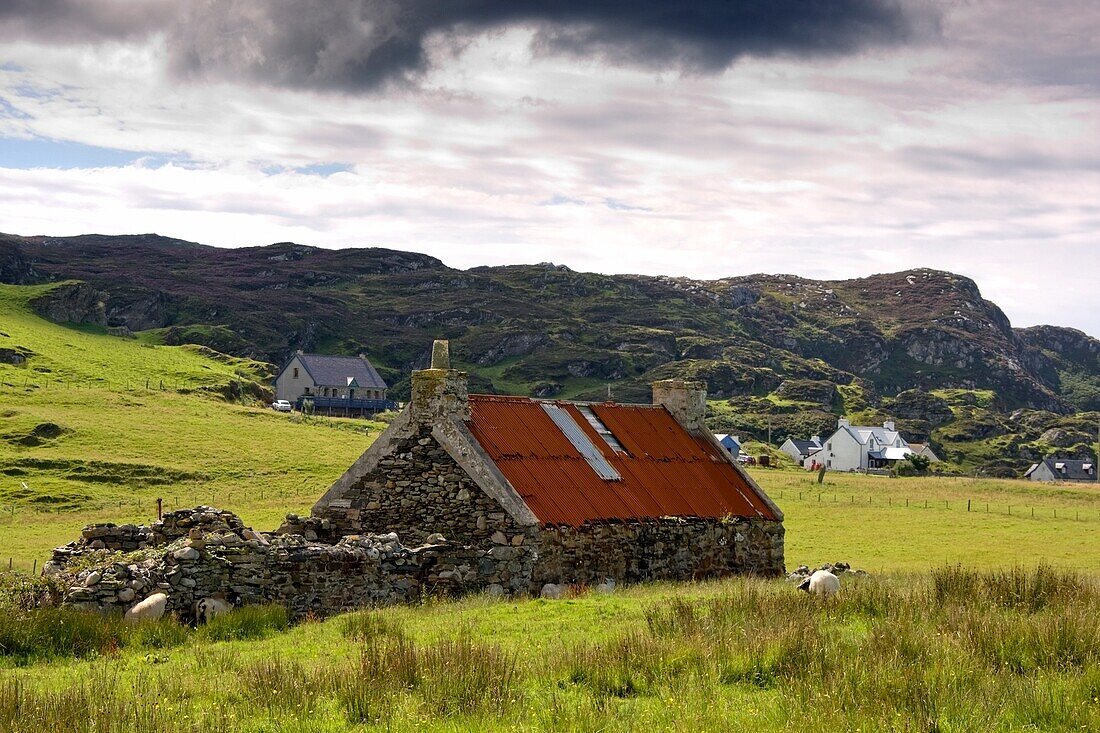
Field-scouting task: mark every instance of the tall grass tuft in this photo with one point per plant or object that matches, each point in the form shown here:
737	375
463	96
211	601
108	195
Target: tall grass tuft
1022	589
449	677
57	632
365	626
247	622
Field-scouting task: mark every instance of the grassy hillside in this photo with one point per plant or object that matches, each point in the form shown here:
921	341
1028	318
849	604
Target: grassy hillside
76	356
82	439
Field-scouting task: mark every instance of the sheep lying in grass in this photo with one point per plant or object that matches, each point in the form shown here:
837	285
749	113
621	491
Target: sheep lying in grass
150	609
207	608
822	584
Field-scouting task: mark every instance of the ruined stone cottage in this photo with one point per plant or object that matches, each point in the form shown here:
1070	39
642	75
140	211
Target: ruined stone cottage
596	490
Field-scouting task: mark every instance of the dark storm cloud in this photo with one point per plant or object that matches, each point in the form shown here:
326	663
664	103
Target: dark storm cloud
67	21
366	44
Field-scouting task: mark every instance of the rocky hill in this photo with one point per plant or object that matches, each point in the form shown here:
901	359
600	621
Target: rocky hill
774	348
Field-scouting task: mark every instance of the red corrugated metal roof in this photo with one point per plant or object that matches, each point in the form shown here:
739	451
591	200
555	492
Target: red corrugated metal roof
665	472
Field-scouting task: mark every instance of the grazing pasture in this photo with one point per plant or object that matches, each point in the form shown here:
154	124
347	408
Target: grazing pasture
951	649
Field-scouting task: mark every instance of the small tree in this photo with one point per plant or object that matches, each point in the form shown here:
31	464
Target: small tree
913	465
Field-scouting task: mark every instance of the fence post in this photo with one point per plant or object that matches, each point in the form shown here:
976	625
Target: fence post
160	509
968	505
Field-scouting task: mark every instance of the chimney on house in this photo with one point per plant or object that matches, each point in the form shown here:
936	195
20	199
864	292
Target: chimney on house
687	401
889	425
440	392
815	439
844	423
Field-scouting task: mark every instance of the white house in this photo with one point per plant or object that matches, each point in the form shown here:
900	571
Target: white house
322	377
799	450
732	443
858	447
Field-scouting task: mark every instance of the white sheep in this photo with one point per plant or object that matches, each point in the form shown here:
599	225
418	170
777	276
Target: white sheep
149	609
553	591
207	608
822	584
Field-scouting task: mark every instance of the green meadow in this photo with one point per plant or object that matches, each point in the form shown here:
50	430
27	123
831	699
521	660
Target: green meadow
947	650
977	619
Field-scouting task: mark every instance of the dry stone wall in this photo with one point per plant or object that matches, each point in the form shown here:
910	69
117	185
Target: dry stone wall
670	549
416	490
132	537
307	577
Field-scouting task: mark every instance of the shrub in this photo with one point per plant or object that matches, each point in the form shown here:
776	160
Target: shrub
22	591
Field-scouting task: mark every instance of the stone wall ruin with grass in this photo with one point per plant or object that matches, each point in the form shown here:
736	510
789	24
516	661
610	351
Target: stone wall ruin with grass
204	552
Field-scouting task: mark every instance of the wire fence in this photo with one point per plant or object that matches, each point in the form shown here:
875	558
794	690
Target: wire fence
972	506
135	384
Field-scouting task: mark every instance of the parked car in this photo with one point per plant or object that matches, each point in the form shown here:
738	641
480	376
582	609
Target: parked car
282	405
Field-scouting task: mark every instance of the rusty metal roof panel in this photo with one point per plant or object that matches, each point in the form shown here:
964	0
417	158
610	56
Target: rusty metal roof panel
664	471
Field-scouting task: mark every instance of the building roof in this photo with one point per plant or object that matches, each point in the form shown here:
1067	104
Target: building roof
805	447
721	438
559	456
889	453
341	371
863	434
1069	469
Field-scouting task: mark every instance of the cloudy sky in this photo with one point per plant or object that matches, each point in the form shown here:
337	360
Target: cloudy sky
829	139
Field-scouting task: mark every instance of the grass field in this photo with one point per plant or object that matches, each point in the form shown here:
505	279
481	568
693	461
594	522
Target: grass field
953	650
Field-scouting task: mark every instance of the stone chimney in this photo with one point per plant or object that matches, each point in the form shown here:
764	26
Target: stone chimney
815	439
439	393
889	425
844	423
687	401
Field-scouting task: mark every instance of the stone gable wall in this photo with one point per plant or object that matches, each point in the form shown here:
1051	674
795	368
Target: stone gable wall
670	549
416	490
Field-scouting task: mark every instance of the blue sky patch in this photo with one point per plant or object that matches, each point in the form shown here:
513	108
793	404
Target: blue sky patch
27	153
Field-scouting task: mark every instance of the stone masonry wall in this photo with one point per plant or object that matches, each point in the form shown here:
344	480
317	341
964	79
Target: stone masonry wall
306	577
415	491
133	537
670	549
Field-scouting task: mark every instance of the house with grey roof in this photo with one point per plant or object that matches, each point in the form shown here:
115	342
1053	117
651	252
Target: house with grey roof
1062	469
341	384
859	448
799	450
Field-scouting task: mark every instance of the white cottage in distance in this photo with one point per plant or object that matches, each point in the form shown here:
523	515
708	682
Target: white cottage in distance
859	447
799	450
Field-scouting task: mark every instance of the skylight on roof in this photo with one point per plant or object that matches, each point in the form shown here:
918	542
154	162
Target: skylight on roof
598	425
581	442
